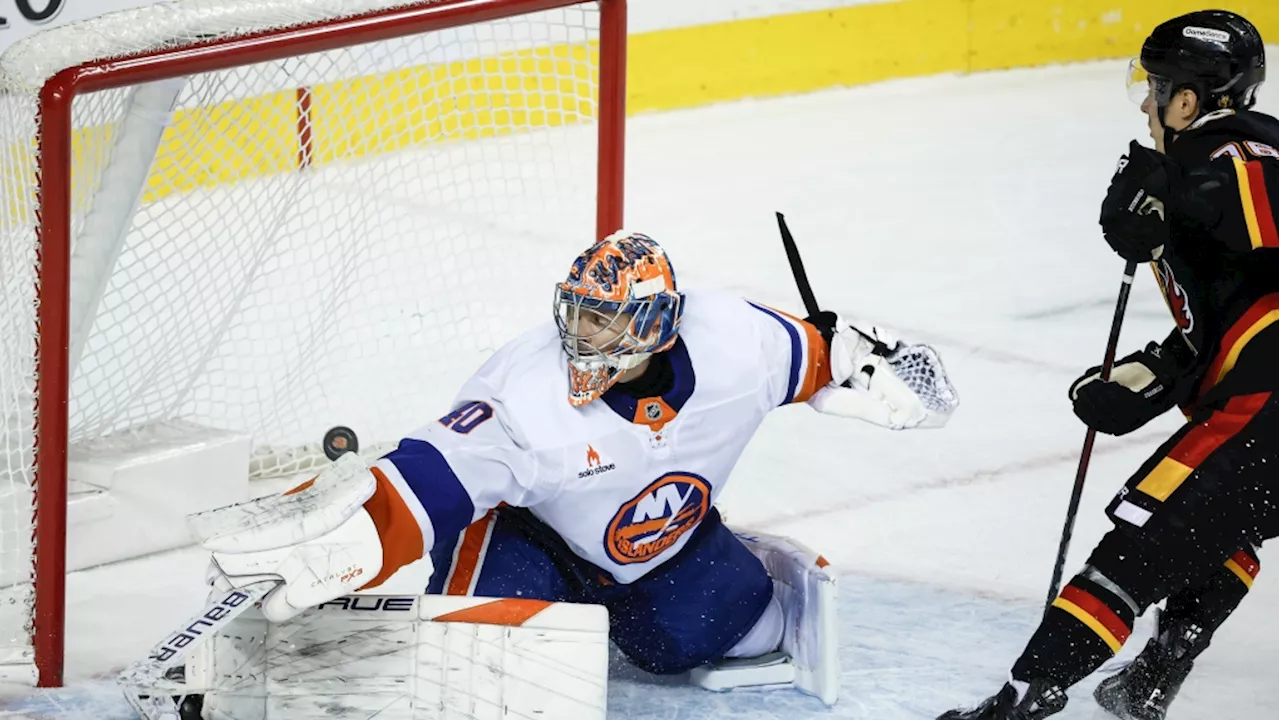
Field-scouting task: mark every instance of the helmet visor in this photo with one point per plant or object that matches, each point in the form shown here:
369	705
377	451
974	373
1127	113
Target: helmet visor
590	329
1142	85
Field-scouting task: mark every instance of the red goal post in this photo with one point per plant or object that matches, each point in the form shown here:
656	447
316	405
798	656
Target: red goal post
51	188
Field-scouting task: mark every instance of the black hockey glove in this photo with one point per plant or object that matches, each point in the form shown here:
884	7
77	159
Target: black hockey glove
1142	387
1134	219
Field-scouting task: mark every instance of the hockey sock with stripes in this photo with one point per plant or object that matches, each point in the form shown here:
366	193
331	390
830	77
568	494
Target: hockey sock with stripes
1086	626
1202	609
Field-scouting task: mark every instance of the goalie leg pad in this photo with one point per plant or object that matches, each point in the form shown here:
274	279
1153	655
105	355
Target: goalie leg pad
806	591
406	657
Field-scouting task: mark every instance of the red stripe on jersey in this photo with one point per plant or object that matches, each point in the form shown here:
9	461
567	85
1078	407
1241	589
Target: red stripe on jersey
1222	425
1261	204
1105	616
1261	314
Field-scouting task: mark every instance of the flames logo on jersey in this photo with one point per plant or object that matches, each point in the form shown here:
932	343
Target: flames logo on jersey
651	522
1176	296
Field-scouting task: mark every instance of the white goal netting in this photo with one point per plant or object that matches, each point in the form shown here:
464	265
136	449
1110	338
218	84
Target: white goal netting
336	238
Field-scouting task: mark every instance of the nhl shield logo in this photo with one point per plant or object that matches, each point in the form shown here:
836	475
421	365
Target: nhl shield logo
653	411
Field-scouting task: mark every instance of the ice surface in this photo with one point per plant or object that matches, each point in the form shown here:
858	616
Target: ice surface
961	211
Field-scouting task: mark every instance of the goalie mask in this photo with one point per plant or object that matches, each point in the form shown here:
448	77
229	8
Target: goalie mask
618	306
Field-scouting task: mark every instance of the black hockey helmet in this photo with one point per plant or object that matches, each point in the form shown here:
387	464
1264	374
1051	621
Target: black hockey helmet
1217	54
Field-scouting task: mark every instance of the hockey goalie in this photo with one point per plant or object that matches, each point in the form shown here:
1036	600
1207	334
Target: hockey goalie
568	499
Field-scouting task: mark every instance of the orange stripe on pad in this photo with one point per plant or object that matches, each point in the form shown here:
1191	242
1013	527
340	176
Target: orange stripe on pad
299	488
1095	614
507	611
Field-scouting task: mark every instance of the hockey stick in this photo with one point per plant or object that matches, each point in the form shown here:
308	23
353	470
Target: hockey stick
797	268
149	674
1108	359
806	290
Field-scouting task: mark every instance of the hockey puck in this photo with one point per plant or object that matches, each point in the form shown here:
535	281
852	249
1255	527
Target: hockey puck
191	707
340	440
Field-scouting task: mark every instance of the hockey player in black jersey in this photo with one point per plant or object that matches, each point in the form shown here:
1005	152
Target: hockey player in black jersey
1201	209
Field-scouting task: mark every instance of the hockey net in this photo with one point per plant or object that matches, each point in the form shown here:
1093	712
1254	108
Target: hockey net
277	216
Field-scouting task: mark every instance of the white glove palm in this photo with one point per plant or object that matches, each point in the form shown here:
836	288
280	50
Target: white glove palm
853	351
866	382
316	540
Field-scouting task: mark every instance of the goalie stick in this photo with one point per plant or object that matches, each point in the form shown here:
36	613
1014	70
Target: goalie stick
146	683
1108	359
806	290
797	267
916	365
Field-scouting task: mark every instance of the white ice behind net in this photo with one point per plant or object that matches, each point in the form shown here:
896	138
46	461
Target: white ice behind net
451	180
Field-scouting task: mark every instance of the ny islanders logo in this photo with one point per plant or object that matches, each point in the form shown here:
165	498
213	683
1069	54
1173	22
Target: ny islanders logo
654	520
1176	296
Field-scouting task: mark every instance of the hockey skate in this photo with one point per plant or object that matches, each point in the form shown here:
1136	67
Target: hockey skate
1145	688
1040	701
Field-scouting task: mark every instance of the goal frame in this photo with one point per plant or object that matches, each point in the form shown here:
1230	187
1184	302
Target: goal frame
53	242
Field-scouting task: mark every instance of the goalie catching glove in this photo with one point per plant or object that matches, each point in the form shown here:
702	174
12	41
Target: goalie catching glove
879	379
321	540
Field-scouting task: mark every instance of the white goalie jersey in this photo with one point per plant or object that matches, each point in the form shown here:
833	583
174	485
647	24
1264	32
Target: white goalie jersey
622	480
